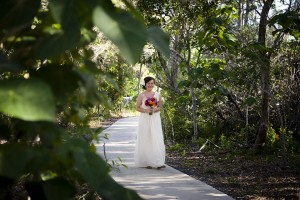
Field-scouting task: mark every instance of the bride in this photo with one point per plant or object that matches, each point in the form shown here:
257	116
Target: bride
150	147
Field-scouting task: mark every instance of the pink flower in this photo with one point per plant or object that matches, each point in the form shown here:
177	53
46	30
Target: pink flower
151	102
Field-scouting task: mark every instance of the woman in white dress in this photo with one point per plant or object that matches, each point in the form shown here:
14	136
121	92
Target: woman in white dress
150	147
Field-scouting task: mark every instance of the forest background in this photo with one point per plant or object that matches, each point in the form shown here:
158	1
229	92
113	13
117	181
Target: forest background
228	72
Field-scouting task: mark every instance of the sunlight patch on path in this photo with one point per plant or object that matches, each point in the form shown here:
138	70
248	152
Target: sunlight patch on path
163	184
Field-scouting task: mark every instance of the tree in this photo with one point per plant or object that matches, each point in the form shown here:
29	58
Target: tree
265	75
265	56
198	30
47	74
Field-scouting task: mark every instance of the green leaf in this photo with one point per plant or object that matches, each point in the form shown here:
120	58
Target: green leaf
95	171
89	89
58	189
35	190
4	132
64	84
87	163
133	11
64	12
16	13
57	44
223	90
13	160
184	83
230	37
250	101
123	30
9	66
160	40
30	100
49	132
295	33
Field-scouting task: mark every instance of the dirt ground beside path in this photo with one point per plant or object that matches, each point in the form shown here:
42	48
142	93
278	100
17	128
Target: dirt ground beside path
258	178
243	178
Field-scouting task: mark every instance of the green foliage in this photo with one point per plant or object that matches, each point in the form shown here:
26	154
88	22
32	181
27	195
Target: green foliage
160	40
175	147
128	34
30	100
271	137
289	22
216	55
48	90
225	142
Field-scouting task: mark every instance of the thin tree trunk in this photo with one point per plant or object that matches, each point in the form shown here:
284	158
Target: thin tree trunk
192	90
171	68
265	73
194	113
247	13
140	76
240	13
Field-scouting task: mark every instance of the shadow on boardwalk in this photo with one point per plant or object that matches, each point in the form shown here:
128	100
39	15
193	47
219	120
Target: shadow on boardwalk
167	183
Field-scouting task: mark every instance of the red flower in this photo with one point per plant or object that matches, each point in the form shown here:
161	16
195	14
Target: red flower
151	102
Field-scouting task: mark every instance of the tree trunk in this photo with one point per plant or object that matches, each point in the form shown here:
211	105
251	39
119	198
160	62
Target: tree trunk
265	73
194	113
240	13
140	76
247	13
192	90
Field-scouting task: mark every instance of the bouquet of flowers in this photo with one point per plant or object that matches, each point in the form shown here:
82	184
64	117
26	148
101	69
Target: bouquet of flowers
151	102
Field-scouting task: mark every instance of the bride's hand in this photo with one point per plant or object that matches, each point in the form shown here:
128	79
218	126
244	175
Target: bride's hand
152	110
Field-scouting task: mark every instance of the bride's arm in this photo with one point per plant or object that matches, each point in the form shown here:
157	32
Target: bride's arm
160	104
139	103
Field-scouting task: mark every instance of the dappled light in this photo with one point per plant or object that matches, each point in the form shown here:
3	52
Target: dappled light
213	87
166	183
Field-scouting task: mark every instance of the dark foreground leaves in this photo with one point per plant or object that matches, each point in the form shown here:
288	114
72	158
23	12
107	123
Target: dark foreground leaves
242	177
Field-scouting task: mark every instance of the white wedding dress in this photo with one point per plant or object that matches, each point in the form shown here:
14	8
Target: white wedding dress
150	147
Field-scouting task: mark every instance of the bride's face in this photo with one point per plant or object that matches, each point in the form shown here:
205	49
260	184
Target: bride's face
150	85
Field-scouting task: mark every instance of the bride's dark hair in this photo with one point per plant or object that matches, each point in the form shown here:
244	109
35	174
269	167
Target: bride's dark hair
146	80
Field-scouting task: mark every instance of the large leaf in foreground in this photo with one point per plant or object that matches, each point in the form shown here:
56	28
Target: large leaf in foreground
17	13
58	189
95	171
64	84
65	13
160	40
124	31
13	159
30	100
